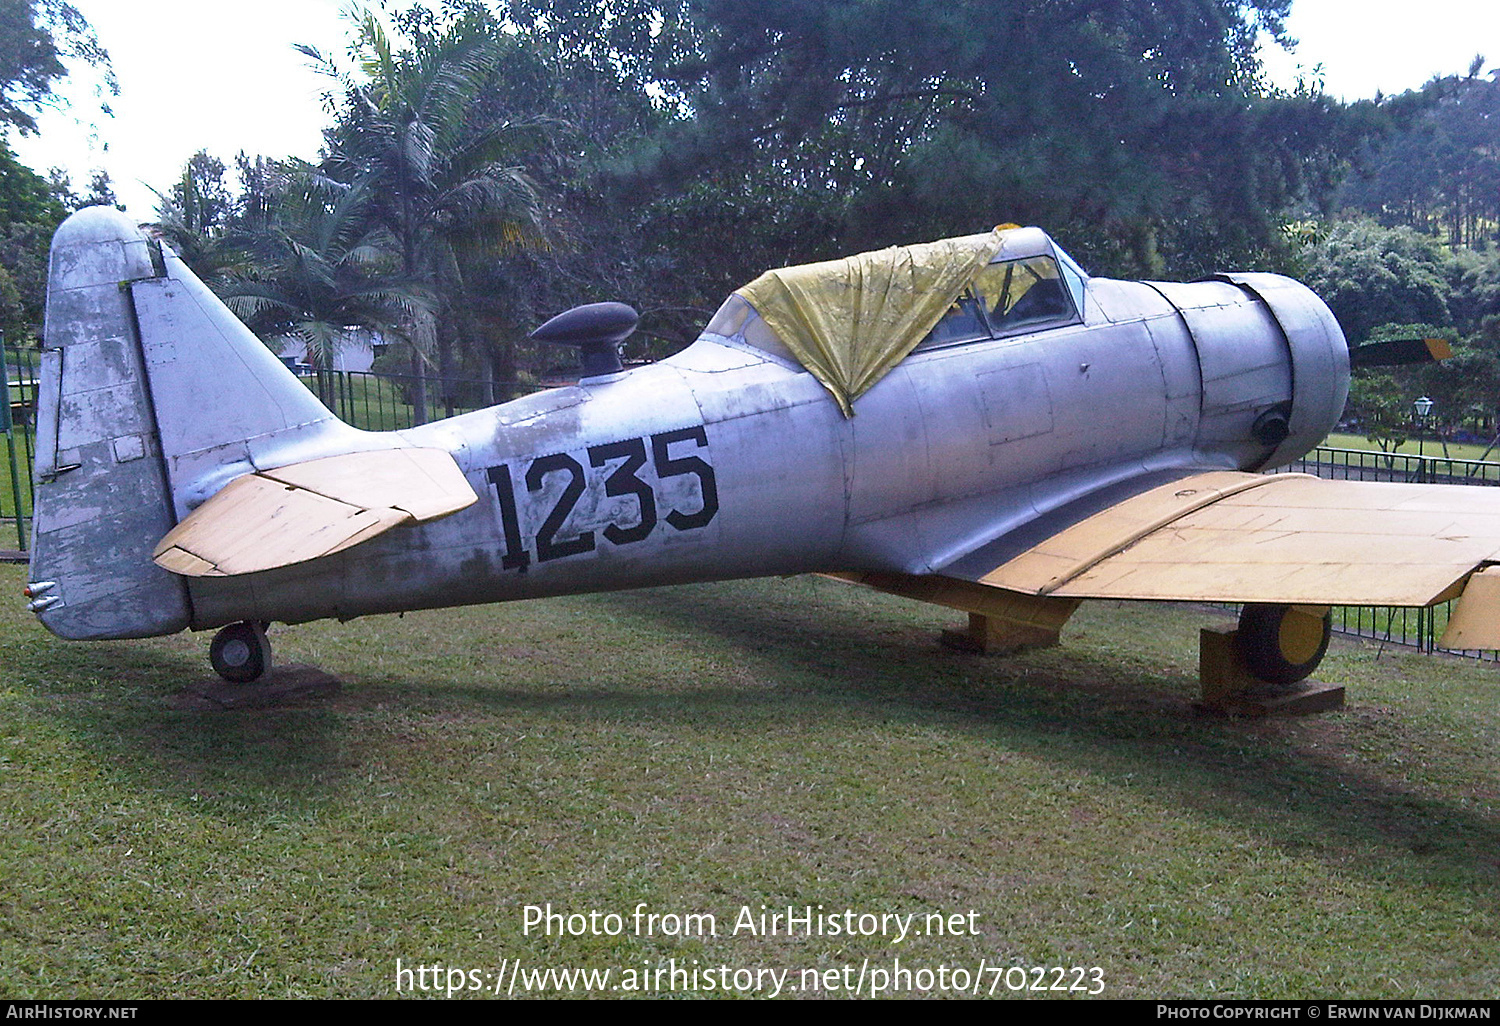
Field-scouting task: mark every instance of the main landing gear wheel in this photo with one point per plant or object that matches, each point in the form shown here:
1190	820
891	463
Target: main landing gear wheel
241	652
1282	644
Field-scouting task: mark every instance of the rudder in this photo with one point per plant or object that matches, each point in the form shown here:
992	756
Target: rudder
101	491
152	397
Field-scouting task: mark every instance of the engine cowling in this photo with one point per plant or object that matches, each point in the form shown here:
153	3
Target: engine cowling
1274	363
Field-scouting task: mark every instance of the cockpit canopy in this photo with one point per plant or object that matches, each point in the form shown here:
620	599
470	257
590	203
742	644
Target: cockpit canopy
1012	297
850	321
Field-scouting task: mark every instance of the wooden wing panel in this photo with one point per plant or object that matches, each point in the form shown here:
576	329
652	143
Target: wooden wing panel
307	510
1475	622
1286	538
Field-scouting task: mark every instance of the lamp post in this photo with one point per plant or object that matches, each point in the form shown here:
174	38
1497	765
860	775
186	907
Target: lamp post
1421	408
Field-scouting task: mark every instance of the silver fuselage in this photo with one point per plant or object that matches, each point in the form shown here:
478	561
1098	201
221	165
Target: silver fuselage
727	460
748	468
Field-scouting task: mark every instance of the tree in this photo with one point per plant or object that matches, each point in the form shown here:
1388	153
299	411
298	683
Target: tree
37	38
196	218
321	268
1380	408
601	239
1465	389
101	191
1438	171
26	196
23	263
1370	275
30	210
1139	131
436	179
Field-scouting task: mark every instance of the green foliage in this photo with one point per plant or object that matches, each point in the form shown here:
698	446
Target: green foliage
441	176
604	237
1475	277
1380	408
1370	275
1394	282
23	261
406	134
1440	171
197	217
320	268
1464	389
30	210
13	314
37	37
663	152
101	191
26	196
1132	130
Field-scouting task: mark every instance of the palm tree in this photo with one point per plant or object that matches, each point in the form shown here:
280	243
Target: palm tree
195	216
322	267
440	182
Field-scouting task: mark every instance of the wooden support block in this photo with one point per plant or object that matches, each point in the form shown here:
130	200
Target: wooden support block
1219	669
1230	689
993	635
999	620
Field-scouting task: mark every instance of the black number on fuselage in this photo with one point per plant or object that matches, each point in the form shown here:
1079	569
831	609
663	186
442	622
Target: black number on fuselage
667	467
546	548
515	556
624	482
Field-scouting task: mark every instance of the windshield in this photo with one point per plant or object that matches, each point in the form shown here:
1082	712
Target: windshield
1008	297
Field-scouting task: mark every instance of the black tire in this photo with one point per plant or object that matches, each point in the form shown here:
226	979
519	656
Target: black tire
241	652
1279	650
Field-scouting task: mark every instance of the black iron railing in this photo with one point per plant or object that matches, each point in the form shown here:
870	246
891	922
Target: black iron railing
1418	628
17	419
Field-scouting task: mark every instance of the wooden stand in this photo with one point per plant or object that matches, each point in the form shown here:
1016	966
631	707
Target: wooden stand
1230	690
999	620
993	635
281	685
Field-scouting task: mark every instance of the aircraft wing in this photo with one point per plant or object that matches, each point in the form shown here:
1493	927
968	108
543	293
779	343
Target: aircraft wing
1283	538
299	512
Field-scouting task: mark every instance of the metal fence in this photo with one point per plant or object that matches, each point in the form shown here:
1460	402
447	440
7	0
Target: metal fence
367	400
383	402
1365	465
1399	625
17	417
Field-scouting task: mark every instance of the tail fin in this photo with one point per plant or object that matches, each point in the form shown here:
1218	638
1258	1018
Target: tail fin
153	396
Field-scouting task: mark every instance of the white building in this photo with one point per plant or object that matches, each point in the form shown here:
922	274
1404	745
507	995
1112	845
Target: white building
356	353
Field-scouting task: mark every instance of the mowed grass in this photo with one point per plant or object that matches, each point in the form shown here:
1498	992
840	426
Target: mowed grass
1429	446
777	742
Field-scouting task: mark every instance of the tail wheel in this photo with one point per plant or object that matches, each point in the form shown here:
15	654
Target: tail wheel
1283	644
241	652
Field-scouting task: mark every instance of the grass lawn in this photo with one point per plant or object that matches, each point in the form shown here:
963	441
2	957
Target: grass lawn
373	403
1428	447
778	742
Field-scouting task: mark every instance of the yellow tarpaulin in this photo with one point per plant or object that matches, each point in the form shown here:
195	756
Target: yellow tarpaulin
850	321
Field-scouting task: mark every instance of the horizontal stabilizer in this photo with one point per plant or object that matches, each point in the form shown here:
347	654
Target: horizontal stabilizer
292	514
1399	352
